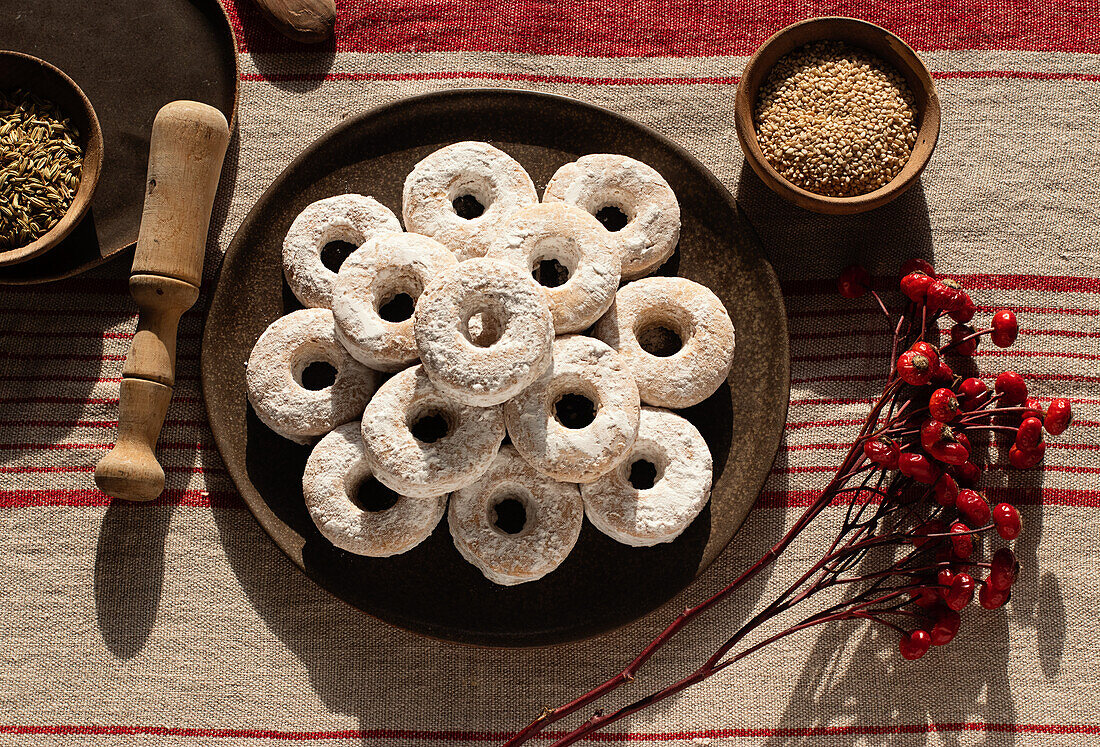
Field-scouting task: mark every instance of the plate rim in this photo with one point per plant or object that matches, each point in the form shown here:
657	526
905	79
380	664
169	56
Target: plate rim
263	514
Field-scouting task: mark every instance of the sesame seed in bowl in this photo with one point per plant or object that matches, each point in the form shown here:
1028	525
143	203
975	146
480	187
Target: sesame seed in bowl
837	115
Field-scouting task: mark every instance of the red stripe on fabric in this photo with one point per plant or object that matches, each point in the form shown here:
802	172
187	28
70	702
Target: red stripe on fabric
673	27
984	353
181	445
81	401
70	468
1023	497
487	736
90	497
875	311
841	334
88	423
585	80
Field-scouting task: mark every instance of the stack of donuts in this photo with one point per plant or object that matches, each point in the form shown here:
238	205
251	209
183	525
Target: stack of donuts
515	326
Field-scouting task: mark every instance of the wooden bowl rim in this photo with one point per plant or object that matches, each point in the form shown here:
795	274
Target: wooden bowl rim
902	57
91	166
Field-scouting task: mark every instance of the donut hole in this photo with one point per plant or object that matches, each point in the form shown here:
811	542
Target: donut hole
470	197
372	496
318	375
554	260
467	207
335	252
429	425
550	273
508	513
660	335
398	307
576	409
483	326
612	217
645	468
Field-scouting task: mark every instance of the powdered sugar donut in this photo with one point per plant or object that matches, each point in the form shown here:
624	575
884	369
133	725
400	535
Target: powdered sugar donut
274	377
601	181
674	308
351	218
465	170
681	487
507	351
548	521
585	372
422	444
373	276
336	468
575	240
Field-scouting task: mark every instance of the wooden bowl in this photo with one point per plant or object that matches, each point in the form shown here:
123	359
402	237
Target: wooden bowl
856	33
18	70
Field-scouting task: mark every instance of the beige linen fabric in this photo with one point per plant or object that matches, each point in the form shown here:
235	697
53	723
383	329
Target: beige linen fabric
182	624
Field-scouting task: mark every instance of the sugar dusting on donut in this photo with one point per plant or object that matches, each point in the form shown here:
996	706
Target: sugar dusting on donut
574	239
470	169
352	218
468	365
660	513
274	377
604	180
336	468
588	368
427	468
691	312
373	275
552	518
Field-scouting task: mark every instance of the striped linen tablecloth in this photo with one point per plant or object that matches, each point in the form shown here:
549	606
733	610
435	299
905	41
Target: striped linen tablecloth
181	623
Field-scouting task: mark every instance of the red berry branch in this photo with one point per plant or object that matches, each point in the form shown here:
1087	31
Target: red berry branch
910	551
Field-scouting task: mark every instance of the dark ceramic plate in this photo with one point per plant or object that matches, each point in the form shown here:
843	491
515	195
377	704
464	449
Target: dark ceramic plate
431	589
130	58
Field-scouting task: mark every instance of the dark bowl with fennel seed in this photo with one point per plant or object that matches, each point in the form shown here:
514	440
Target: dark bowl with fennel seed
51	153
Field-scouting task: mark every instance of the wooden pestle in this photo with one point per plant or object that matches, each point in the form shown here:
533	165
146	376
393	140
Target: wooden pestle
186	150
306	21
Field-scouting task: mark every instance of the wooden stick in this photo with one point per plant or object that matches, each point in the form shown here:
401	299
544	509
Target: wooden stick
186	151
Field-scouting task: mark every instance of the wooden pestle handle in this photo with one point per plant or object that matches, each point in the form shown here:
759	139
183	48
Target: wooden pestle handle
186	151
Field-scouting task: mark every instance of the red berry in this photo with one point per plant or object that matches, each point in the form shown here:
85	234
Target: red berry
991	598
961	591
973	393
1012	388
1059	416
966	311
1034	409
915	286
1029	434
962	544
960	331
973	508
1005	328
928	351
916	264
883	452
1021	459
943	373
946	490
919	467
914	368
943	405
967	474
915	645
964	440
1007	520
946	627
853	281
945	295
1004	569
926	598
940	441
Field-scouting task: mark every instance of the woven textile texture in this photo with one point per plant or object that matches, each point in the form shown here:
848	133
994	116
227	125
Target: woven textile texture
181	622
